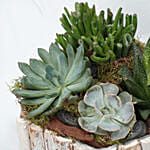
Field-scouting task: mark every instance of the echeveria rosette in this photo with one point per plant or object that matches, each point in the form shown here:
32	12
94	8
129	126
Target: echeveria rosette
54	79
104	113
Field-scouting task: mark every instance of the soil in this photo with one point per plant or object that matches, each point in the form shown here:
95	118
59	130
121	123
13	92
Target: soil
73	132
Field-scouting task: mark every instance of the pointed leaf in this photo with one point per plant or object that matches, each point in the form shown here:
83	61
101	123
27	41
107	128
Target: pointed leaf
44	55
25	68
34	101
38	67
41	109
82	86
70	55
33	93
146	60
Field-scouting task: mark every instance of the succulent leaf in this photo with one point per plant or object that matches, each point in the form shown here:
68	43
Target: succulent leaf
104	113
51	81
137	83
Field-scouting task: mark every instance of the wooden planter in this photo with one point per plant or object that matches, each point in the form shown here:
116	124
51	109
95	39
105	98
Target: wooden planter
32	137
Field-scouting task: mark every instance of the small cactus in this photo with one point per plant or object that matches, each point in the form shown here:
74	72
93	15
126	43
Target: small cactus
104	38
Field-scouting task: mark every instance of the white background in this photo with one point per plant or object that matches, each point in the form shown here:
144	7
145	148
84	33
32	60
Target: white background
26	25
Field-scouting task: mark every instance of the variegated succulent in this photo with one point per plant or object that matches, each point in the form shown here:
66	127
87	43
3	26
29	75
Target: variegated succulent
50	81
137	82
104	113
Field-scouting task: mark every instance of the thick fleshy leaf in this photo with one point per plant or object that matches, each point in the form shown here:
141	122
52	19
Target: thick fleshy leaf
63	66
99	131
32	83
34	93
125	113
124	130
89	124
38	67
93	95
65	93
36	101
77	66
84	76
146	61
144	113
109	88
120	134
107	123
139	73
82	86
25	68
41	109
44	55
52	75
113	101
125	97
131	84
85	110
70	55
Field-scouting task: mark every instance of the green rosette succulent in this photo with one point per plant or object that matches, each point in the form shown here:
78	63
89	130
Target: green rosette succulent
137	82
104	113
48	83
105	38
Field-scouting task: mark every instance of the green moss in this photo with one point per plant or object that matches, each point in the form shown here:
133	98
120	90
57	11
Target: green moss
108	72
40	120
105	140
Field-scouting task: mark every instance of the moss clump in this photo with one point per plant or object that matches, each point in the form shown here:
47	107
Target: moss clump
40	120
105	140
73	107
108	72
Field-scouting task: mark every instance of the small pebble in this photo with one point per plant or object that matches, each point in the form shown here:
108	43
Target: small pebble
67	118
138	130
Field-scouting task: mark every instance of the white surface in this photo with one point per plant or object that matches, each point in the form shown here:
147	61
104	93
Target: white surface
26	25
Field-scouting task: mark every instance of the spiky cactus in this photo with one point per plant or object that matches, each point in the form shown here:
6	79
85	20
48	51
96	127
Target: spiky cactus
104	39
104	113
137	83
49	82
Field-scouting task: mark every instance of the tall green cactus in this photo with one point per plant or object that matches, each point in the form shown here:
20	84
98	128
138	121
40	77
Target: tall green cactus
104	38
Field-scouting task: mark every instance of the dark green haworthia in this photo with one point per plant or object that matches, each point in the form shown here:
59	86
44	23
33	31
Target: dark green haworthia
136	82
104	38
48	83
146	61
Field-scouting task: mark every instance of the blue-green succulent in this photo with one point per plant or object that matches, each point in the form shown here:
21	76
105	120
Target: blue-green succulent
104	113
52	80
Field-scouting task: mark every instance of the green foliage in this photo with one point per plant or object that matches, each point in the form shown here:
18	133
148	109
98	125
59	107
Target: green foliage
104	38
54	79
104	113
146	61
136	82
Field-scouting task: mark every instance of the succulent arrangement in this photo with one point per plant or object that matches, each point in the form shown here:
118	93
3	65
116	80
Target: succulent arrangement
62	84
104	39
